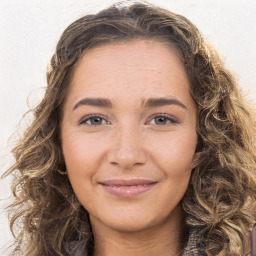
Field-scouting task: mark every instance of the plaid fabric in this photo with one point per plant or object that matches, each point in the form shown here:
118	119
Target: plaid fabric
193	247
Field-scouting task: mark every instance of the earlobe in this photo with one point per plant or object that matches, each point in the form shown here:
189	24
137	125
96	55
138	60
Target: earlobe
196	160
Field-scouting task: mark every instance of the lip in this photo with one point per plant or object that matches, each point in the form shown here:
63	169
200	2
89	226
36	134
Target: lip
127	188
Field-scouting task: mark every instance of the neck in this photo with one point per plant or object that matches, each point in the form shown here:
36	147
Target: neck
164	240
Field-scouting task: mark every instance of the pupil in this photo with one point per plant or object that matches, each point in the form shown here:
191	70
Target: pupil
96	120
160	120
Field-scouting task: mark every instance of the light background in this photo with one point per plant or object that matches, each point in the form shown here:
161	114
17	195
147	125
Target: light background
30	29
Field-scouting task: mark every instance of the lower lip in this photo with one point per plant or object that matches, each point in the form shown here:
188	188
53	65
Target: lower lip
127	191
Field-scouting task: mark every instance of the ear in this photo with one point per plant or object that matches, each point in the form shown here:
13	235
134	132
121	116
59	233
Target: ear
196	160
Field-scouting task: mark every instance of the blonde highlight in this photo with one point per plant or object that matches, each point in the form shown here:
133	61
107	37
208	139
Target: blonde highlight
220	202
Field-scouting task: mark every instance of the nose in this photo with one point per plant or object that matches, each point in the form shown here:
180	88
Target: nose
127	149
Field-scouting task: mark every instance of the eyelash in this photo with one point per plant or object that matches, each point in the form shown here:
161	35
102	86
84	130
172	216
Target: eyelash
168	117
90	117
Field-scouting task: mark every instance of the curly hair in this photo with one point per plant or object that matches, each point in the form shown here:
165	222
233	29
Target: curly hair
220	202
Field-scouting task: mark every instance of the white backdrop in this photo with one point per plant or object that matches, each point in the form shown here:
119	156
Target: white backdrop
30	29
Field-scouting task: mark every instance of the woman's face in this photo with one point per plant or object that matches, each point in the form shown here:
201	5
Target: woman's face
129	134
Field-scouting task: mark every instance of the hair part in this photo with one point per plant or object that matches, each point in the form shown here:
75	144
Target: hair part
219	204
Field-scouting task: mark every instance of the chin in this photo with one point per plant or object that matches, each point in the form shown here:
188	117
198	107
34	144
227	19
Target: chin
131	226
130	222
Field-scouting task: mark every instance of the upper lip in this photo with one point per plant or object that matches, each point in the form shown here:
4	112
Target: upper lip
127	182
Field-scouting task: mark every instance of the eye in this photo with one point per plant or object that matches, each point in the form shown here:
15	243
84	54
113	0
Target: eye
93	120
163	120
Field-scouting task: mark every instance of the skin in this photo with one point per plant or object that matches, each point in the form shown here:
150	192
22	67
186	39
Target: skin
131	140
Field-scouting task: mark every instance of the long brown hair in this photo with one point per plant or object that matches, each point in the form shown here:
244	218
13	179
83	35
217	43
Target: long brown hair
219	204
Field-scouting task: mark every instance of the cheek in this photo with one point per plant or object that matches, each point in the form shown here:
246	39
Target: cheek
82	156
174	154
82	159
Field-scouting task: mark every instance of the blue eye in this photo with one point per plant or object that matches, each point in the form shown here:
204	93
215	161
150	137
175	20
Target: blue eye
93	120
163	120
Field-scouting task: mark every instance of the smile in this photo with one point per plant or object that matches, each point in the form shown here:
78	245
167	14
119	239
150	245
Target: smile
129	188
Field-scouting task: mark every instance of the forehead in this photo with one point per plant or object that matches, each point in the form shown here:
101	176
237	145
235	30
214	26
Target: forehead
134	51
137	68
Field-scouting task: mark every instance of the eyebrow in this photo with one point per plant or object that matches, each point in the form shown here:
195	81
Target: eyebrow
98	102
158	102
151	102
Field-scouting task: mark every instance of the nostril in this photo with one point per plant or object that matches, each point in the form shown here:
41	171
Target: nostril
126	154
114	163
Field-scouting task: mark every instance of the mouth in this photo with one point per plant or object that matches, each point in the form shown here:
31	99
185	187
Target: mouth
127	188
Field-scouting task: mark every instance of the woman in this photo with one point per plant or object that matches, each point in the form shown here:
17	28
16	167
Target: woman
142	144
